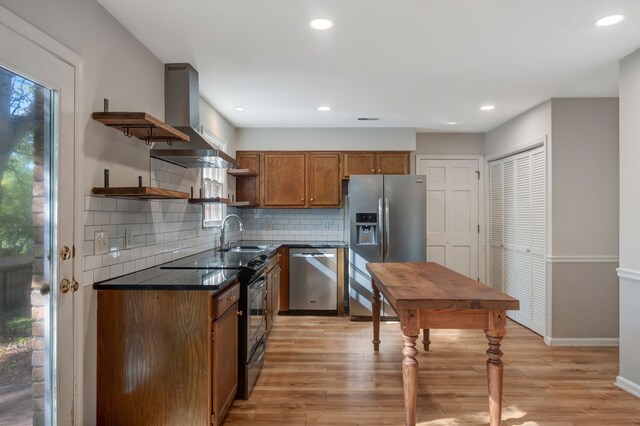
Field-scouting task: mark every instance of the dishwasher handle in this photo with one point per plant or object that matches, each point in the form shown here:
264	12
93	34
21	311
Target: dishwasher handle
313	255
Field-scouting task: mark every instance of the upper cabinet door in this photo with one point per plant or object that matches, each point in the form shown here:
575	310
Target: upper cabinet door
392	163
359	164
325	187
284	179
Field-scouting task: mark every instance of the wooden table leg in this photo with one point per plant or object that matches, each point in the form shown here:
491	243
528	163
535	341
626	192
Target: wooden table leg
497	329
425	339
375	309
410	378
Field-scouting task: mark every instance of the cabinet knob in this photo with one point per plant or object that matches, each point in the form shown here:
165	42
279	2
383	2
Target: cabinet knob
311	198
301	199
379	170
373	171
239	313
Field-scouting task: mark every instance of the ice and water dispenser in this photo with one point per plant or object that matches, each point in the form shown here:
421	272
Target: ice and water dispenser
367	228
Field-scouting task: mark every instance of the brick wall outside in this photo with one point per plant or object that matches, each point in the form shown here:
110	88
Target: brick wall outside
38	301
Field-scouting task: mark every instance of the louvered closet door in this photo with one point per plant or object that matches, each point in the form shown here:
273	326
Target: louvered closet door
523	237
538	241
509	235
517	191
496	271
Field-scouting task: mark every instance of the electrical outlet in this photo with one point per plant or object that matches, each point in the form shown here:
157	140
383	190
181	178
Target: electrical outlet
101	242
127	238
326	225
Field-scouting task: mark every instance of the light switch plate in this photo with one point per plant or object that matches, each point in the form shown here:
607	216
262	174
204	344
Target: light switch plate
101	242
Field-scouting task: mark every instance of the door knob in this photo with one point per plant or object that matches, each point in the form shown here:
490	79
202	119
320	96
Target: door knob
74	285
65	285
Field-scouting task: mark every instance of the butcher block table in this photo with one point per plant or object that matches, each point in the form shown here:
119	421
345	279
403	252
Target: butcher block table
426	295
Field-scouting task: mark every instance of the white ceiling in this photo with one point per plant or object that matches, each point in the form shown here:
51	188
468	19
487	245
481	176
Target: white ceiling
414	63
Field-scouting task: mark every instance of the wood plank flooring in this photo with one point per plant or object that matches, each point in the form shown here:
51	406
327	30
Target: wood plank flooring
323	371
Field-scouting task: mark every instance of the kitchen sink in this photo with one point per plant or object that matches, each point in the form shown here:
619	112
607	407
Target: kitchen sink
245	249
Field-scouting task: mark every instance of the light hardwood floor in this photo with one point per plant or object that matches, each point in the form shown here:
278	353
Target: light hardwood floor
322	370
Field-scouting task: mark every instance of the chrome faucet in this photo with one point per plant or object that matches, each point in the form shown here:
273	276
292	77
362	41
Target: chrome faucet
224	222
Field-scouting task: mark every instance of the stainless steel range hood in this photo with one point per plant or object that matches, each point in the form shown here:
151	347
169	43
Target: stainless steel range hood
182	111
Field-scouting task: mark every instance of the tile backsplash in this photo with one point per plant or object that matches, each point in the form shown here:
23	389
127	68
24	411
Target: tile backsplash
276	225
165	230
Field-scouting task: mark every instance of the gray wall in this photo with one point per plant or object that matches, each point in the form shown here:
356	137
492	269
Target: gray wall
585	217
585	176
449	144
629	223
327	139
523	129
583	136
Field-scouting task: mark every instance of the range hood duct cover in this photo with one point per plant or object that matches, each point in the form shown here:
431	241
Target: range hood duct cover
182	111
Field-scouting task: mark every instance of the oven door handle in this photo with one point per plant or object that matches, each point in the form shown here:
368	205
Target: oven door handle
259	282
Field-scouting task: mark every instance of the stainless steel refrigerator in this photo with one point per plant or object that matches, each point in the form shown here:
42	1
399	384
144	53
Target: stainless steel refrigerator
387	223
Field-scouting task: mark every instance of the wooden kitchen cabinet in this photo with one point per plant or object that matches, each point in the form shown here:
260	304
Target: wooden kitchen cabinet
325	186
224	360
273	291
392	163
283	180
359	164
248	187
384	163
165	355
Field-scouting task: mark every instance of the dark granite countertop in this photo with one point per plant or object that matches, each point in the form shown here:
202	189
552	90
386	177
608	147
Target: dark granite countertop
208	270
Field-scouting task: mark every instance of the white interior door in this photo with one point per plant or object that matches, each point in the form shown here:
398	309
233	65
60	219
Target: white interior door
41	89
452	213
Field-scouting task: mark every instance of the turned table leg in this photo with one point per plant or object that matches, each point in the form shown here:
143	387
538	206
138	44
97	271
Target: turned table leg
425	339
410	378
495	333
375	308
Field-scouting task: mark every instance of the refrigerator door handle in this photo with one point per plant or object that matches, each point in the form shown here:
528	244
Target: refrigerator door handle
380	238
386	228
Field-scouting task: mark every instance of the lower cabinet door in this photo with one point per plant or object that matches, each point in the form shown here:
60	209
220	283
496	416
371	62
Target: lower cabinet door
224	363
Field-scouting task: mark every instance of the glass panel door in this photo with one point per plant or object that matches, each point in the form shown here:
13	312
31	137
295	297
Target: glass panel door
37	104
25	221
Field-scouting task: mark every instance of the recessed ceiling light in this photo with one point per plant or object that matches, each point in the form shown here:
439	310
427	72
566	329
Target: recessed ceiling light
487	107
239	108
452	123
324	108
321	24
609	20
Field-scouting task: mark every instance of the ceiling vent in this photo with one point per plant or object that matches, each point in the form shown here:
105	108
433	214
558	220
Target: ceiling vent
368	118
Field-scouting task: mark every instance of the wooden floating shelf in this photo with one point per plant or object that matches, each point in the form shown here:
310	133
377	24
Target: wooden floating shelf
209	200
241	172
141	125
243	204
146	192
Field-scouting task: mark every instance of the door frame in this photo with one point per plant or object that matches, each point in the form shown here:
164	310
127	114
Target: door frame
482	164
544	141
66	55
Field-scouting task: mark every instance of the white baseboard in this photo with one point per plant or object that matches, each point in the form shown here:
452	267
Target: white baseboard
628	385
586	341
583	259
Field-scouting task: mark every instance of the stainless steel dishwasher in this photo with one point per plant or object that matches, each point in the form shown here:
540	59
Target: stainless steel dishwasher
313	279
